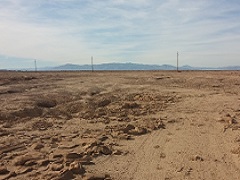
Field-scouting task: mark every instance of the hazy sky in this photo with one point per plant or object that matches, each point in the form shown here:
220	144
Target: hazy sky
205	32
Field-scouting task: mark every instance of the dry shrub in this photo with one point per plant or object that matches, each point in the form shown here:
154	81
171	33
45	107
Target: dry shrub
236	150
104	102
52	100
94	90
46	103
131	105
21	115
60	105
27	113
59	113
42	125
72	107
3	116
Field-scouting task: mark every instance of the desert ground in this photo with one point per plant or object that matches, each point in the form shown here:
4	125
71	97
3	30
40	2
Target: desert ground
122	125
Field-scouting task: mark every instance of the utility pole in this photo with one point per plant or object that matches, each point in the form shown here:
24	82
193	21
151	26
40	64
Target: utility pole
177	60
92	63
35	63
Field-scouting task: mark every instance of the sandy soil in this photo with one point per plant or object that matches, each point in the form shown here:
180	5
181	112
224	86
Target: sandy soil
120	125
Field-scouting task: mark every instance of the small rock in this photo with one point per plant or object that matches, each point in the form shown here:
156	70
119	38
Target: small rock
237	139
55	139
73	156
171	121
138	131
22	160
104	150
66	175
7	125
86	160
4	171
38	146
125	137
76	168
42	125
97	176
94	90
57	156
10	175
106	121
152	127
130	105
56	167
51	175
54	145
69	145
23	170
162	155
128	128
161	125
4	132
188	172
30	163
44	103
117	152
236	150
44	162
103	138
104	102
197	158
230	119
180	169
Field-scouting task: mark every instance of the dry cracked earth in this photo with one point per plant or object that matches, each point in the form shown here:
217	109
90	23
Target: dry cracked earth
120	125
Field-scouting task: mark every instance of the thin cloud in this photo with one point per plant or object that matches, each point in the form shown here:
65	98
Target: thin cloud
147	31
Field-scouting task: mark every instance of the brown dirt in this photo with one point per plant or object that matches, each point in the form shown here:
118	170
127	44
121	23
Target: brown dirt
120	125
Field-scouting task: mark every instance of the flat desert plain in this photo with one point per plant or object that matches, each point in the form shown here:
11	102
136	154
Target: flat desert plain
129	125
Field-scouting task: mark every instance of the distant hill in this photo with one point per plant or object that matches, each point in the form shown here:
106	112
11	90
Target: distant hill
129	66
113	66
230	68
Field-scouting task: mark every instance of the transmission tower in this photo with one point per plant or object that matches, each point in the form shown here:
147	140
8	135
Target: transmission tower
92	63
35	64
177	60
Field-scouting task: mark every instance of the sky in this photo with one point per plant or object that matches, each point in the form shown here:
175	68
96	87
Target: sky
206	33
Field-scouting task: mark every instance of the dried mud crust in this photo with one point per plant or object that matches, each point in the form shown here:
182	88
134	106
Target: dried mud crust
113	105
80	125
39	149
